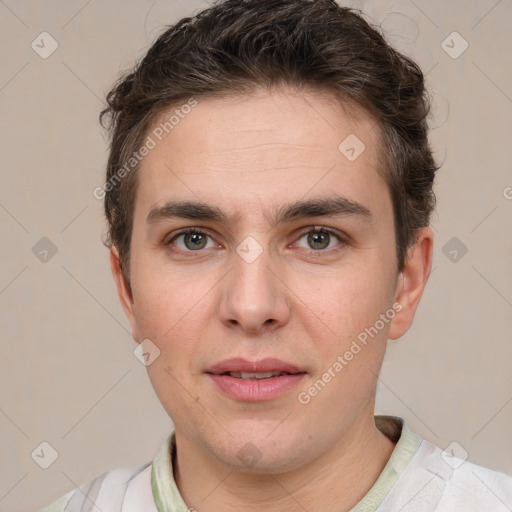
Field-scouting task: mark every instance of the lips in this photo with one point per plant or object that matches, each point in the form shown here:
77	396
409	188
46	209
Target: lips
258	375
238	366
255	381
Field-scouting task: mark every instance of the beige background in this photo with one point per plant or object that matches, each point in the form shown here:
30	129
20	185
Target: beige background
69	376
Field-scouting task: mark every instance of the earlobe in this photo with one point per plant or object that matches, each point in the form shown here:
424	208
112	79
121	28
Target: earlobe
412	281
123	290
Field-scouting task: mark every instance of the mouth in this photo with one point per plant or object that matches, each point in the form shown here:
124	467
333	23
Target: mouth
240	367
253	381
258	375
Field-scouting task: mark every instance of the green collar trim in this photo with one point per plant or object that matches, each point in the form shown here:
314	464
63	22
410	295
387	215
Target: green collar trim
168	498
407	444
165	492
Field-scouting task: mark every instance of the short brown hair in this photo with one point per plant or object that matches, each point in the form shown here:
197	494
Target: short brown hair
238	46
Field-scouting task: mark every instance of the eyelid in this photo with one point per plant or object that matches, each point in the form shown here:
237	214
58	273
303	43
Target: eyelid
343	239
167	241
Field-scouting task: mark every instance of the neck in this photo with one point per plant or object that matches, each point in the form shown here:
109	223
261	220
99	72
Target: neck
335	480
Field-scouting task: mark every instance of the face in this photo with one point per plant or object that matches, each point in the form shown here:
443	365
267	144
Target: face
289	255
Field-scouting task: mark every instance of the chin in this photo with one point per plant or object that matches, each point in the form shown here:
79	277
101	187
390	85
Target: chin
255	449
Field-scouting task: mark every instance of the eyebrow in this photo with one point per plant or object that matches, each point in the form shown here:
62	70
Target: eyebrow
322	207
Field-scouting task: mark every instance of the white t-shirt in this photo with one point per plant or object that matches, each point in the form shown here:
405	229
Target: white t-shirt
419	477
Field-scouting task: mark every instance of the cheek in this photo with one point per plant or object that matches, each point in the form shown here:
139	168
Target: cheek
165	298
169	313
173	309
353	300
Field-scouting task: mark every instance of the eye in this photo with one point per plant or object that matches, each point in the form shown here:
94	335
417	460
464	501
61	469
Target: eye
319	239
192	239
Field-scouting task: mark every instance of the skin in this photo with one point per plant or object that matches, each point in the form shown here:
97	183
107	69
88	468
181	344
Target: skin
298	302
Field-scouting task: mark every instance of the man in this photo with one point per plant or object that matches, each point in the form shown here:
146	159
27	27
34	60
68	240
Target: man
268	192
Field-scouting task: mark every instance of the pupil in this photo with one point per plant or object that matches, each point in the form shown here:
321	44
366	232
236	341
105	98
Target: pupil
315	240
197	239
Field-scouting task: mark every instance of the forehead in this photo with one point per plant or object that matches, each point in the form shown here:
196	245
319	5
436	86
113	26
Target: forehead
261	148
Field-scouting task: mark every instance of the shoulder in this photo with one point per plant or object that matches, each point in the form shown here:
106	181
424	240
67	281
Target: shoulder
467	486
435	479
476	488
124	489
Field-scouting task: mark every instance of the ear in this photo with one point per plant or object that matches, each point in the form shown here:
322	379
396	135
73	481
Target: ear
123	290
412	281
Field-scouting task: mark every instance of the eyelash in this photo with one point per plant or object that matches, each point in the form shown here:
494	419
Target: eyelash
317	229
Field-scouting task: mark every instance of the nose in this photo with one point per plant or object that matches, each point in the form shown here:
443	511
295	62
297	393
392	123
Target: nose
254	297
